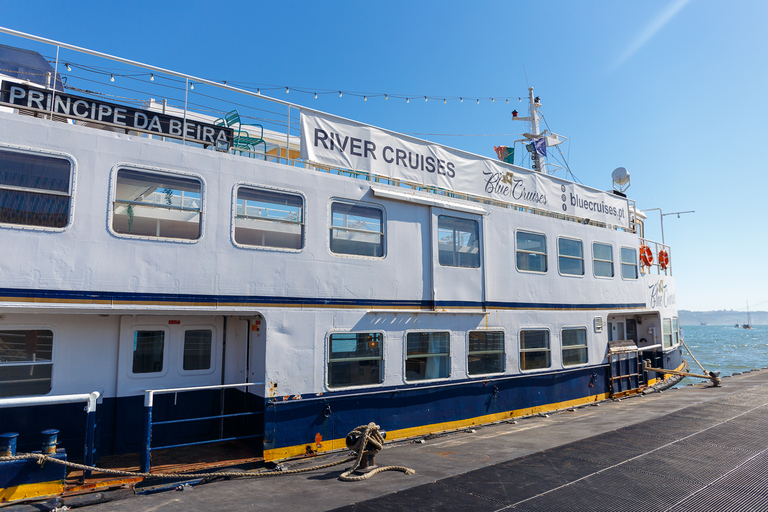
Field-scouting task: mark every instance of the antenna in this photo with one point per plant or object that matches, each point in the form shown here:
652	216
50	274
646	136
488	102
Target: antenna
621	179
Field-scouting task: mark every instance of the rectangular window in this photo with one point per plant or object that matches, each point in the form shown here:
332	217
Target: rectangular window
428	355
34	190
355	359
534	350
574	346
197	349
266	218
602	256
675	331
148	351
486	352
357	230
570	256
25	362
531	252
157	205
628	263
667	332
458	242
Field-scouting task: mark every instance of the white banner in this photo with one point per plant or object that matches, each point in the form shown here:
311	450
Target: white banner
334	142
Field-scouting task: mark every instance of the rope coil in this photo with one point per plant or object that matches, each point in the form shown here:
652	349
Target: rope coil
369	442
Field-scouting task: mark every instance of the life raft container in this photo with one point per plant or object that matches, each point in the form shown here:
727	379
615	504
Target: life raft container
663	259
646	256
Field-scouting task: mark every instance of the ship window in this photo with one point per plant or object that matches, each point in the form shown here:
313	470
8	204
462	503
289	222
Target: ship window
534	349
357	230
157	205
197	349
25	362
602	254
486	352
355	359
675	330
148	351
531	252
428	355
266	218
574	346
628	263
667	332
34	190
458	242
570	256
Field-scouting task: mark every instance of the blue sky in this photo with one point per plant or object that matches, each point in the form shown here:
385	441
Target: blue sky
673	90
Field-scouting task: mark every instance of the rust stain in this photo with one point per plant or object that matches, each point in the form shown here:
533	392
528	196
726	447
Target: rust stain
318	440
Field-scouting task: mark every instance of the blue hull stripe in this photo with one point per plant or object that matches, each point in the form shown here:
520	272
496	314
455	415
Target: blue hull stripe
9	294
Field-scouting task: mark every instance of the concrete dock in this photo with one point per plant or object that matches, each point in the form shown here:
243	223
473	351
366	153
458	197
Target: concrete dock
695	448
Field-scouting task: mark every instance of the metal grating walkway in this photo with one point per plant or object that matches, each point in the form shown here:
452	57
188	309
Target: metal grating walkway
709	457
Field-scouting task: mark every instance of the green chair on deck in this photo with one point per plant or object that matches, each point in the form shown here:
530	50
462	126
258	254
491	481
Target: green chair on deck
243	140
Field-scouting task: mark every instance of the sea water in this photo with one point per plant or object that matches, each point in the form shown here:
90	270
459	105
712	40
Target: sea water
726	348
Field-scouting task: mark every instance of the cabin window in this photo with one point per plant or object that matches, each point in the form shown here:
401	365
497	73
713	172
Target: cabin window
486	352
26	362
675	331
574	346
197	349
428	355
570	256
534	349
355	359
458	242
157	205
666	329
531	252
602	256
148	351
628	263
35	190
266	218
357	230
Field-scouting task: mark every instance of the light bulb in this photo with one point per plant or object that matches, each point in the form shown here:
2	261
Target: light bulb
112	78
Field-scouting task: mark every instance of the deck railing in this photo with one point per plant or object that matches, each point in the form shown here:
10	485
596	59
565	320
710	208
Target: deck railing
656	266
149	397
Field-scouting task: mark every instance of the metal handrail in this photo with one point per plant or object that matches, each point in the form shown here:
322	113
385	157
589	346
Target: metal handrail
91	399
149	396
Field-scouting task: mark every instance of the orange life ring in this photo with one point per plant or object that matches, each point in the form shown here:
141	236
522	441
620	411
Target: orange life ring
663	259
646	256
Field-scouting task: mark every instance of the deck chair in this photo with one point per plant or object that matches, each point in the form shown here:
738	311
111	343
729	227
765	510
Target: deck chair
243	140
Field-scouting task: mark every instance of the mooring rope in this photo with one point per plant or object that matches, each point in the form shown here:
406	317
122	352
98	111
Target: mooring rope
368	436
369	441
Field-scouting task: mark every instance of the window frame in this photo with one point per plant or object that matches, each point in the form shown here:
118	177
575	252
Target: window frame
454	253
634	264
595	260
70	193
503	350
559	256
666	331
159	172
273	190
381	359
524	251
563	346
521	350
52	363
357	204
437	354
675	331
182	345
166	351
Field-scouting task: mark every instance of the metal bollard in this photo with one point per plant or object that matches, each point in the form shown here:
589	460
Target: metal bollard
368	461
49	440
8	444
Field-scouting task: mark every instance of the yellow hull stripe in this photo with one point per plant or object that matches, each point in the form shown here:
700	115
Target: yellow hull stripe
338	444
27	491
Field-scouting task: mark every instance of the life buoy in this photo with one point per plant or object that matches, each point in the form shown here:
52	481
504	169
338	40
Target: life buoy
663	259
646	256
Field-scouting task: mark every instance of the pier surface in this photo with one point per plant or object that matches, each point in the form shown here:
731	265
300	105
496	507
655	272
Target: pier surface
695	448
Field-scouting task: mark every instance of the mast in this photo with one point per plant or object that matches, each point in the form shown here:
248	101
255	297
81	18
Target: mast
533	105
